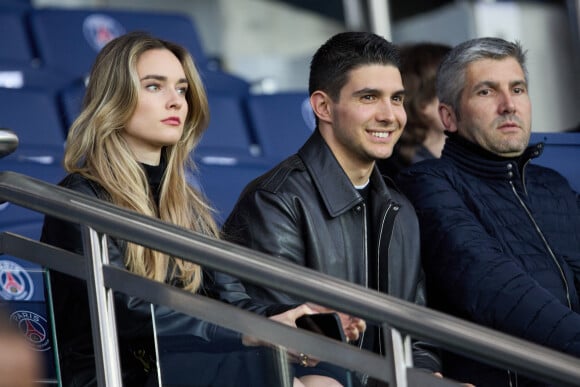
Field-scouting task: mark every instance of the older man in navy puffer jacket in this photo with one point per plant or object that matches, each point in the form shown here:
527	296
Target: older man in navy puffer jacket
500	236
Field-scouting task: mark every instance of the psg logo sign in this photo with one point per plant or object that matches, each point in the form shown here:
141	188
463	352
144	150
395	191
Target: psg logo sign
100	29
15	282
34	328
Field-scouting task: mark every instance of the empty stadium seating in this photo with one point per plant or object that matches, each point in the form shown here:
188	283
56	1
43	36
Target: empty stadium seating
33	116
60	34
278	124
14	39
70	100
222	82
561	152
16	5
277	130
226	155
18	65
227	133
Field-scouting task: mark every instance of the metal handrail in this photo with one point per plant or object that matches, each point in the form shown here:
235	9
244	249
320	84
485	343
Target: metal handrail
199	306
8	142
449	332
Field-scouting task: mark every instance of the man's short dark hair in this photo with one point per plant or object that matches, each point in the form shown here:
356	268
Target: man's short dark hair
344	52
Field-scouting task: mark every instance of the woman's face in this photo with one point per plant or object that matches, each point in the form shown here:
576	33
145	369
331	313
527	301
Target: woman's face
161	107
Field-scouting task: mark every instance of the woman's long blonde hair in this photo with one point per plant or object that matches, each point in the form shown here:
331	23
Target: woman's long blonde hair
97	150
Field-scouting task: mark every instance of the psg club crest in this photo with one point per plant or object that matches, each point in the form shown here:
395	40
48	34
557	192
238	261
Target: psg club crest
15	282
34	328
100	29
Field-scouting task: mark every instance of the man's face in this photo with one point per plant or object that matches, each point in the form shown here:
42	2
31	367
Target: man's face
495	109
368	118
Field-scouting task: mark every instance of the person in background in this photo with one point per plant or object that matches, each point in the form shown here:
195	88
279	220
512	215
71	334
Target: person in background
500	235
144	111
327	207
424	136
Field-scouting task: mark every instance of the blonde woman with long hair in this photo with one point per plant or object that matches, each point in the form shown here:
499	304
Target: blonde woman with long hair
144	111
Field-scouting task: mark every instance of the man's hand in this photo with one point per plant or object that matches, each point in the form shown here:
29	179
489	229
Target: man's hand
352	326
288	318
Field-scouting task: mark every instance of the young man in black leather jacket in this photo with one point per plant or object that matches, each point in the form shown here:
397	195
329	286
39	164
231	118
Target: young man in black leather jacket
327	207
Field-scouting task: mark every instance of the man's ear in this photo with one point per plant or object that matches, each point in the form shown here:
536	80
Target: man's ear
320	102
448	117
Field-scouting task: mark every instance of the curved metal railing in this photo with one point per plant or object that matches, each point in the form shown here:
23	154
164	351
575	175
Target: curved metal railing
419	322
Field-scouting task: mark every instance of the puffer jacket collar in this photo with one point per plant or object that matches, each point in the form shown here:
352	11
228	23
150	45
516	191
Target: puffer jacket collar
477	161
336	190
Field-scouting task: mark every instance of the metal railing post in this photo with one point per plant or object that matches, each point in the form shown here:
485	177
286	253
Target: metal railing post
397	355
282	366
102	308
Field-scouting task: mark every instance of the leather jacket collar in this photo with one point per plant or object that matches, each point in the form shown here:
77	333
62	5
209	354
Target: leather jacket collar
337	191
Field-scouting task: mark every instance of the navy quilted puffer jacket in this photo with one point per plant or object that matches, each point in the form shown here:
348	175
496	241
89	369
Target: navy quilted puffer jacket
501	246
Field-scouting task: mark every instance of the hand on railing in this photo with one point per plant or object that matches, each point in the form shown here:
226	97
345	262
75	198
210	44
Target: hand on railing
440	375
288	318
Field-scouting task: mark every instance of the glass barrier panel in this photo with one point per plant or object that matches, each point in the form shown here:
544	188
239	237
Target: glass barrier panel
211	355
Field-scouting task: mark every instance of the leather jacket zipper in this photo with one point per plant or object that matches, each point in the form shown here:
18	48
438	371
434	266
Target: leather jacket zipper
391	210
365	260
383	220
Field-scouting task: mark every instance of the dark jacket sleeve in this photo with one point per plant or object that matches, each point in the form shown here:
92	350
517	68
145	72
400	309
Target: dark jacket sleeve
268	222
471	272
262	221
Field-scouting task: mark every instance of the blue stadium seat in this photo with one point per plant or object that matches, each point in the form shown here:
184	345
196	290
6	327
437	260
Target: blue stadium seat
69	39
47	168
228	135
278	124
19	67
33	116
70	100
561	152
16	5
16	75
222	184
225	155
14	39
218	81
